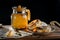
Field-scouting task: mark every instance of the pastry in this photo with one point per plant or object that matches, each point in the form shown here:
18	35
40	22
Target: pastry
34	24
39	26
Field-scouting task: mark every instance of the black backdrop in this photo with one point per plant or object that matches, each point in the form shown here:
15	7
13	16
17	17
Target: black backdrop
40	9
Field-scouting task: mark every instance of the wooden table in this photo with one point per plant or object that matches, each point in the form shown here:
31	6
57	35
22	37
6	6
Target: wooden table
54	35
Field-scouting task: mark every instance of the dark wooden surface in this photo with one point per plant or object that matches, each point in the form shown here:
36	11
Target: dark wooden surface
54	35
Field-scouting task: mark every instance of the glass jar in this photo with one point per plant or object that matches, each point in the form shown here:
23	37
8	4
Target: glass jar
20	20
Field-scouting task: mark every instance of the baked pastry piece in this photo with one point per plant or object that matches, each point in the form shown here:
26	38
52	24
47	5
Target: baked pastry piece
39	26
34	24
10	33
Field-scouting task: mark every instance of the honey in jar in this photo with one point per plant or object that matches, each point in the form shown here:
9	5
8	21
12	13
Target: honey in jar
20	20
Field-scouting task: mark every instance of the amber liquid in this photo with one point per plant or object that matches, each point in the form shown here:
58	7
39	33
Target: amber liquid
18	21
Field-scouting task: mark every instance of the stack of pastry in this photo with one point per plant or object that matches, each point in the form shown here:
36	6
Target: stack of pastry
38	26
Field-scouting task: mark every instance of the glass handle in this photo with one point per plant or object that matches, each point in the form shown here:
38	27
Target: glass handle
28	14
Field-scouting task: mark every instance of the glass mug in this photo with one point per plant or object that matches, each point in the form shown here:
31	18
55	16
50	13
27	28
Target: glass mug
20	20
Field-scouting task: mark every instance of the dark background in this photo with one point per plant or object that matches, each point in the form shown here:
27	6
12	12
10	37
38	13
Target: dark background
40	9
